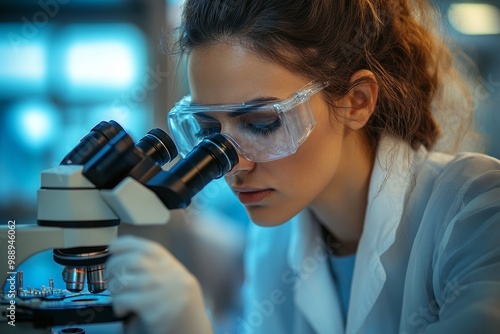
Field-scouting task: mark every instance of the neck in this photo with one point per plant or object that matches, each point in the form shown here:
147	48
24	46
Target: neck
341	207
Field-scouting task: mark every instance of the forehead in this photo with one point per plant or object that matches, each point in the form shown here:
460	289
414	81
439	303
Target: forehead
229	73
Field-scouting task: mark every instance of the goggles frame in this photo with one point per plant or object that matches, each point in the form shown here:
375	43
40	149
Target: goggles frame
297	128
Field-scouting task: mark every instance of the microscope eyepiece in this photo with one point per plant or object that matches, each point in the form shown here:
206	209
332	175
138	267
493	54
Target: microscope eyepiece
89	145
120	158
211	159
159	146
222	151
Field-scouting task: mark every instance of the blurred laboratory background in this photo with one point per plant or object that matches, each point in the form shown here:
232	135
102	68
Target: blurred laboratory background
66	65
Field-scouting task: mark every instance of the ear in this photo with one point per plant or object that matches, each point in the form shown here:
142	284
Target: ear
361	100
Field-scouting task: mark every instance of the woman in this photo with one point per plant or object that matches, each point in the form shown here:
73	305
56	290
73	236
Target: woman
360	226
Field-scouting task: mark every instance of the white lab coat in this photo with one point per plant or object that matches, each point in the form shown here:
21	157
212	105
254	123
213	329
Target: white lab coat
428	260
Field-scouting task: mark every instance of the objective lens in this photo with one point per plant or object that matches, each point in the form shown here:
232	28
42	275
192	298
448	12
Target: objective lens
95	278
211	159
89	145
74	278
79	262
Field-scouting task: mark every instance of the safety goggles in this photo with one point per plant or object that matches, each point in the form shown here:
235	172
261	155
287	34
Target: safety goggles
260	131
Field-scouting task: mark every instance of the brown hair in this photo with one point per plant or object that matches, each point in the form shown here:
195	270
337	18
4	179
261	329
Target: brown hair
330	40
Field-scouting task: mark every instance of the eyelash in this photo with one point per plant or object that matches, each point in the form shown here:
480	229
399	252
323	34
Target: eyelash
263	130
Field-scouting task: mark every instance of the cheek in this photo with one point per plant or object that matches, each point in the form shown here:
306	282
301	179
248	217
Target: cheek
298	179
321	152
315	164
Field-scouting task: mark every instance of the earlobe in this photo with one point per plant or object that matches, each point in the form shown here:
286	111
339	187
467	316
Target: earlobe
361	99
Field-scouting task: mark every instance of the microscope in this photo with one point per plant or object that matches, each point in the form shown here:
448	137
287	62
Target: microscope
104	181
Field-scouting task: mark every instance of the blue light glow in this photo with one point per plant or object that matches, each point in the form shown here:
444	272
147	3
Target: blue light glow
23	67
99	61
34	124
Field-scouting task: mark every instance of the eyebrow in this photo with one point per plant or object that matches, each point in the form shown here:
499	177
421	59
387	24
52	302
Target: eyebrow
262	99
255	100
246	107
252	104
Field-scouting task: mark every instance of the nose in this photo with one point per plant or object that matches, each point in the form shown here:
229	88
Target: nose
243	166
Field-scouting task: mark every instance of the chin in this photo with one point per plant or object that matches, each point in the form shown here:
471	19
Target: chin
266	216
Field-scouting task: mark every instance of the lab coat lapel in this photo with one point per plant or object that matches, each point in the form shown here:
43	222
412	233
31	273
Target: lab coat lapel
315	294
391	178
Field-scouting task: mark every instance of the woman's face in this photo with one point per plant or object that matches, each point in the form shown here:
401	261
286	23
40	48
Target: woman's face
272	192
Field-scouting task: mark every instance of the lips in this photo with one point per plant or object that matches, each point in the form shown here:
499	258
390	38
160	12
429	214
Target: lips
252	196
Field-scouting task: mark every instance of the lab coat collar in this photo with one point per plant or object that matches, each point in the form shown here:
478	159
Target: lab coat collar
315	294
391	179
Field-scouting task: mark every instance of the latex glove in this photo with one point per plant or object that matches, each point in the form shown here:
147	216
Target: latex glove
147	280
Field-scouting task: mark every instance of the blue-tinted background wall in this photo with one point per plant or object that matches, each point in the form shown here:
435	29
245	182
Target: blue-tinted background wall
65	65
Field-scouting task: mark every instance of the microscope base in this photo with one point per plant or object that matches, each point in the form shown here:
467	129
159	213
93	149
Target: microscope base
90	312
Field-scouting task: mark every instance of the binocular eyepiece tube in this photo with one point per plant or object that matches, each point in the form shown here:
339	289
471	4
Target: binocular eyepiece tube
211	159
108	155
119	158
91	143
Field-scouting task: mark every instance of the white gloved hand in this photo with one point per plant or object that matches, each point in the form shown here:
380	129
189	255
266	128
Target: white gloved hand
148	281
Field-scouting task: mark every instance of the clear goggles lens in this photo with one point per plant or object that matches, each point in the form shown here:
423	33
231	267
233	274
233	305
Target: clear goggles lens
260	131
